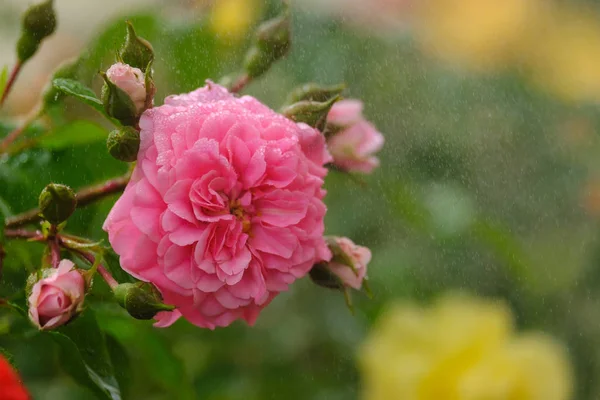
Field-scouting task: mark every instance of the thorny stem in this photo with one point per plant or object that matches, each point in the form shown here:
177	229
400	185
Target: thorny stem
58	242
84	197
54	247
23	234
11	81
112	283
14	135
240	83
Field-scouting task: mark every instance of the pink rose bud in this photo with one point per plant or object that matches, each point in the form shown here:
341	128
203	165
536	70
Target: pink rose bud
349	262
58	297
131	81
355	140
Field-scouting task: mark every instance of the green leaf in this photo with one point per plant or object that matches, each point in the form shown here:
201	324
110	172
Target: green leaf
155	358
84	355
121	363
3	79
17	308
77	133
111	260
79	91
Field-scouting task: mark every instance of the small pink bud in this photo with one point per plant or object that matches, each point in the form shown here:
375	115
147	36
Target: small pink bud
349	262
131	81
354	140
58	297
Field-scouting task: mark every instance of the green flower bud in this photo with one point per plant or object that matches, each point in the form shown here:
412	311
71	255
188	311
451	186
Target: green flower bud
136	51
118	104
124	143
314	92
27	46
141	300
57	203
39	21
313	113
272	42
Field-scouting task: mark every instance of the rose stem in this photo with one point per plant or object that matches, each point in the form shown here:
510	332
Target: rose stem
84	197
112	283
14	135
10	83
54	246
240	83
23	234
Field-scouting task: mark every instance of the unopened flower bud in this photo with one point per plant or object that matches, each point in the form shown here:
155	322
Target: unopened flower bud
272	42
141	300
314	92
347	267
56	296
136	51
118	103
124	143
352	140
313	113
27	46
39	21
130	80
57	202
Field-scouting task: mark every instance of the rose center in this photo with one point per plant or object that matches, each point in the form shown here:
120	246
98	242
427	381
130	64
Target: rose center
237	210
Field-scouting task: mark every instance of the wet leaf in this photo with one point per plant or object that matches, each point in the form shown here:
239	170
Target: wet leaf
84	356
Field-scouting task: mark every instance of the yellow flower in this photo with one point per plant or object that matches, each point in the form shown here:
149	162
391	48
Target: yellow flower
231	19
563	57
461	348
481	33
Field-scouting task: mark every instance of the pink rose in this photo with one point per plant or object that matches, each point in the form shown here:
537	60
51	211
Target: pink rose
359	256
356	141
224	209
58	297
131	81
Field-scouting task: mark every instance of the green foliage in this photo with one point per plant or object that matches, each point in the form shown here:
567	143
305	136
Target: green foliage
80	92
73	134
84	355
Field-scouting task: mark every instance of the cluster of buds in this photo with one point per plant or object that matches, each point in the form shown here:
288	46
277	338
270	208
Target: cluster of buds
351	139
128	91
56	292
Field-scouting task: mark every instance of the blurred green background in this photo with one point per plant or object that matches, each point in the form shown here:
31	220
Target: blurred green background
488	183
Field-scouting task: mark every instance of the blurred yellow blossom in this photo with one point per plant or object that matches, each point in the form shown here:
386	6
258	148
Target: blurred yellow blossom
461	348
483	33
555	45
563	56
231	19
